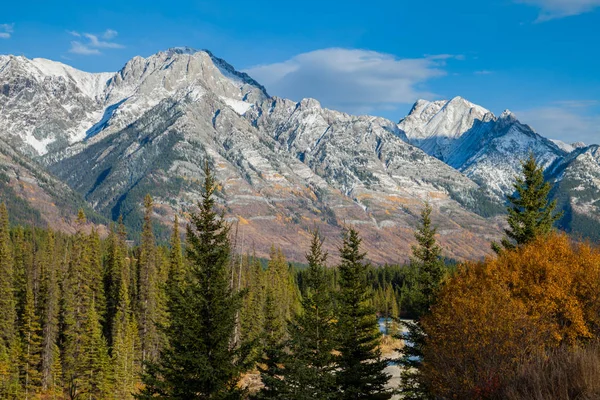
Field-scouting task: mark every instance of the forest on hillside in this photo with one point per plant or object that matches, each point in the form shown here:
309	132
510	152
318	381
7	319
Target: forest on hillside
85	317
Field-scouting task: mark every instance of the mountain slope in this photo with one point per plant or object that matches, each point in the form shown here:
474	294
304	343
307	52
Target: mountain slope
486	148
34	197
285	167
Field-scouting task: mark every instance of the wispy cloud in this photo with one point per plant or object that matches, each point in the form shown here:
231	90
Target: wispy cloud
570	121
484	72
351	80
82	49
6	30
554	9
94	42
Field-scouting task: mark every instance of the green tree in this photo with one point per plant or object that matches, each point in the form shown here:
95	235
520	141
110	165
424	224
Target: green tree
149	297
272	372
50	294
360	367
427	261
530	213
310	368
201	360
428	272
9	345
85	357
31	347
125	363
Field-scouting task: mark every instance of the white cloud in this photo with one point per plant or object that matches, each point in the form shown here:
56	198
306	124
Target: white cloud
94	42
570	123
553	9
355	81
82	49
6	30
484	72
109	34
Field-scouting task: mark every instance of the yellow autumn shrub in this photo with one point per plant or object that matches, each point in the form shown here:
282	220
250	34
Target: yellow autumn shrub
494	315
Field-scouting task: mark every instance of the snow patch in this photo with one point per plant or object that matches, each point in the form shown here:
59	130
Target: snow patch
238	106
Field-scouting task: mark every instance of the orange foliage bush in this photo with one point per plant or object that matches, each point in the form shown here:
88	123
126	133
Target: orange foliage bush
495	315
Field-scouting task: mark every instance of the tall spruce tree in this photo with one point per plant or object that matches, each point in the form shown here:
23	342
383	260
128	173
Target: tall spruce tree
360	368
201	360
85	355
31	347
50	294
309	371
9	341
149	287
272	372
426	259
125	347
428	273
530	213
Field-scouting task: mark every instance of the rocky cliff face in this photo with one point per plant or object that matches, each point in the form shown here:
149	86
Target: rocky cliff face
285	167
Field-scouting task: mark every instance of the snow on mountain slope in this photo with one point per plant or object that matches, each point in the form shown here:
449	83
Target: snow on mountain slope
285	165
48	106
486	148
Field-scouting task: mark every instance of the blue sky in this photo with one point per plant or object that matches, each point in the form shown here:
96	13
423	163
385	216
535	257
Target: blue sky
539	58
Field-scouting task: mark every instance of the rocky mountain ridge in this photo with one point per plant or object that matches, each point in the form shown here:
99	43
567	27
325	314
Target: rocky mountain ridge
285	166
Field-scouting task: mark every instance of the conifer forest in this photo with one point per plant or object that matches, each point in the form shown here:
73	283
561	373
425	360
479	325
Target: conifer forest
91	316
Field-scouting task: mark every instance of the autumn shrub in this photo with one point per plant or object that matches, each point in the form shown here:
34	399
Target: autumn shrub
494	316
560	374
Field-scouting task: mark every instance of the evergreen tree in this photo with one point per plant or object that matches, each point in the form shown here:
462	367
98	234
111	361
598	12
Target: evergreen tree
252	314
176	273
427	260
360	369
9	345
85	355
50	311
429	271
272	372
201	360
309	371
148	288
530	213
31	347
94	361
7	280
125	364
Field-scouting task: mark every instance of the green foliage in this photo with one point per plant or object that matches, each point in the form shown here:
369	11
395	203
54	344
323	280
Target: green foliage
360	372
530	213
202	359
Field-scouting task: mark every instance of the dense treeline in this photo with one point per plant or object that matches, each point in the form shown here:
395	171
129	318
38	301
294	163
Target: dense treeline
85	317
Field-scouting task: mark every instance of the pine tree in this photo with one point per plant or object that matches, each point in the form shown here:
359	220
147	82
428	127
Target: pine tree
429	271
201	360
427	260
148	315
360	369
252	315
310	369
31	347
9	345
7	295
94	359
85	356
530	213
272	372
125	365
49	315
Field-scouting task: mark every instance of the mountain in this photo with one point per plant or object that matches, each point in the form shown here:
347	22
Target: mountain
35	197
285	167
577	190
485	148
